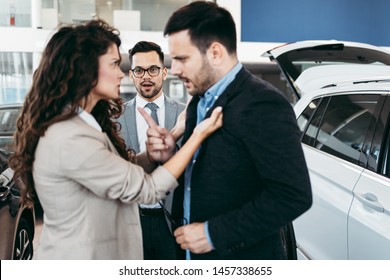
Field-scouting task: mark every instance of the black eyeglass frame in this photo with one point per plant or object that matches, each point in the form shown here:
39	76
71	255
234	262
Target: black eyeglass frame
175	223
146	70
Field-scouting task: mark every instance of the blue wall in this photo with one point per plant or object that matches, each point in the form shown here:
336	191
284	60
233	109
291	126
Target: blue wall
366	21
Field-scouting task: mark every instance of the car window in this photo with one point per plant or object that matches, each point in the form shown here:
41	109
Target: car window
8	119
304	118
385	166
340	124
312	129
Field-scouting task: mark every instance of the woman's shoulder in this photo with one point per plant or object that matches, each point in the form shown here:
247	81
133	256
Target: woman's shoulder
72	134
70	127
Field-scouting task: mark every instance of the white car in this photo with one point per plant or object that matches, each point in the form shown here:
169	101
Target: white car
343	108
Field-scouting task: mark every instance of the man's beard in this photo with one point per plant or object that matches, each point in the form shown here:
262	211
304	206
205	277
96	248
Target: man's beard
150	94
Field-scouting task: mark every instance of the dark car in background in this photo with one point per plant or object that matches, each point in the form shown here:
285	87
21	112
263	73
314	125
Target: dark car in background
8	116
17	221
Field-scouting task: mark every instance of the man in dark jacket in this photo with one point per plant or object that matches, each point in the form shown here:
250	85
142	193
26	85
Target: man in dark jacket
249	179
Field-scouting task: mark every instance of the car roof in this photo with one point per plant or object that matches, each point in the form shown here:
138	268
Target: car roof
294	59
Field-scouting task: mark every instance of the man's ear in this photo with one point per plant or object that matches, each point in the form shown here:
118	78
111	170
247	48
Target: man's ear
216	53
165	73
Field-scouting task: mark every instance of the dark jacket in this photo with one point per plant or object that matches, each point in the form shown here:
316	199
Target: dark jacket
250	178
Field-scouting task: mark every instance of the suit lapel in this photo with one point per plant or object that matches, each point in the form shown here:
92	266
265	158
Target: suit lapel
230	92
131	125
190	118
170	113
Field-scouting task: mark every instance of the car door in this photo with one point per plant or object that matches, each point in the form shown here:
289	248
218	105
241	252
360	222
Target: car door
369	217
333	140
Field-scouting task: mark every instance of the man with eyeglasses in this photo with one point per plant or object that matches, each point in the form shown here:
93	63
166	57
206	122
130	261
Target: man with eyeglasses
148	73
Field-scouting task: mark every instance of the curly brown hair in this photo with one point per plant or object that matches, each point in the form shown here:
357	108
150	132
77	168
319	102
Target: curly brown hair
67	73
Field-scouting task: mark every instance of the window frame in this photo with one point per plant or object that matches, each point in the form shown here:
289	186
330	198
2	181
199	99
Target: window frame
381	142
365	151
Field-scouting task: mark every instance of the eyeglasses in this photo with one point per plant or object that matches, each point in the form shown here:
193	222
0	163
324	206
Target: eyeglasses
175	223
139	72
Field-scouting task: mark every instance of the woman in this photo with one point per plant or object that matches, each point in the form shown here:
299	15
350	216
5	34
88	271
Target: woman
68	150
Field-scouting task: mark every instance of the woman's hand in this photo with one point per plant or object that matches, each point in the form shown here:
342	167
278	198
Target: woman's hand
160	143
177	164
178	130
209	125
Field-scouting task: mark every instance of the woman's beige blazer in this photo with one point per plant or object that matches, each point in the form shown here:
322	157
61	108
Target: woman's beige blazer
90	195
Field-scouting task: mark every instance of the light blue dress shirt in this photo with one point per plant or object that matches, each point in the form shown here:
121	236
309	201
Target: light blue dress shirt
205	103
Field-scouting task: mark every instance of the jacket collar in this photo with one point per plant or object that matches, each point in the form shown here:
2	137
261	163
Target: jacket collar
229	93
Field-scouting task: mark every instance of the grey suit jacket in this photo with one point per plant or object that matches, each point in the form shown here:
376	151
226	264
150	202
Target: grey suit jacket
90	195
129	130
129	126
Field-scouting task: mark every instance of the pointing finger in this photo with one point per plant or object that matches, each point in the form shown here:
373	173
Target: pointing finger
147	117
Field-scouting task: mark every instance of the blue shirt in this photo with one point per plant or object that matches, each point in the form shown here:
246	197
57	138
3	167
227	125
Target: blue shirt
205	103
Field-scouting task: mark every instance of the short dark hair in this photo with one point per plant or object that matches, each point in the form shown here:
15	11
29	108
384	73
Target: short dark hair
206	23
143	47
